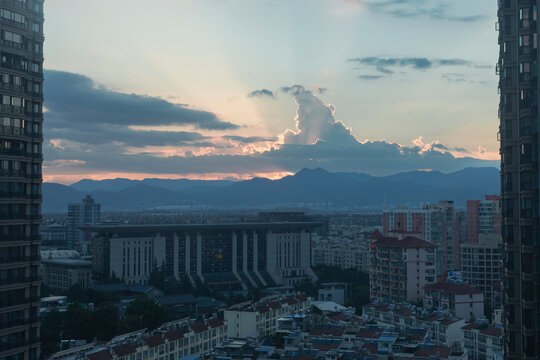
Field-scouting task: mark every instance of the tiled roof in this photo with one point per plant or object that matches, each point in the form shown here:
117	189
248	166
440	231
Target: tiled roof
376	235
452	288
441	351
154	341
290	300
124	349
174	334
450	321
493	331
472	326
301	297
215	322
199	327
100	355
274	305
409	242
327	330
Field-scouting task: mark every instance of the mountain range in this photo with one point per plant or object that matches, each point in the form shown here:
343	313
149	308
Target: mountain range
307	188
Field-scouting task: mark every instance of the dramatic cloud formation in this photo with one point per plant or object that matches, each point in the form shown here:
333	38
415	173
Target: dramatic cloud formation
77	99
262	93
79	145
314	121
434	9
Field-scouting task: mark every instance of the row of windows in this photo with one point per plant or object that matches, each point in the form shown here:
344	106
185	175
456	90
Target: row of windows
20	63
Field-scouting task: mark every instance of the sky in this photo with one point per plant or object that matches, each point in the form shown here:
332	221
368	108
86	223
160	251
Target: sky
232	89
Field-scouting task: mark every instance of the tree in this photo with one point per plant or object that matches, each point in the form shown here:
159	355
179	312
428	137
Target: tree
144	312
105	321
51	326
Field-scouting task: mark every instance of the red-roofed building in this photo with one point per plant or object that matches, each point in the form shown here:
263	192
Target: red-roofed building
100	355
260	319
462	300
440	224
153	341
401	268
483	341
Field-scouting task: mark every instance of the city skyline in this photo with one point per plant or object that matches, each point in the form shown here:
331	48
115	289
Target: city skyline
207	89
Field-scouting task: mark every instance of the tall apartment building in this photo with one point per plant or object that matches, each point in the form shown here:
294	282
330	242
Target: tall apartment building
441	224
518	113
483	217
229	256
342	253
21	118
481	266
401	268
86	214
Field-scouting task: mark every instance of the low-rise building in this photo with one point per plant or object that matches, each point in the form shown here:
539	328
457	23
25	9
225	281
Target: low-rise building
463	300
483	341
253	320
336	292
61	274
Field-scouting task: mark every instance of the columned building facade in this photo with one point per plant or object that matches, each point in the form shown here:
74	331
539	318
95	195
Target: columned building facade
518	113
232	256
21	98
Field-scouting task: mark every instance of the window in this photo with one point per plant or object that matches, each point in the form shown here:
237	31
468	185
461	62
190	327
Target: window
36	28
9	36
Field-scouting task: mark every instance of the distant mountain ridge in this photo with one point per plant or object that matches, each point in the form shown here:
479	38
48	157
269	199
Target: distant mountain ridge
308	187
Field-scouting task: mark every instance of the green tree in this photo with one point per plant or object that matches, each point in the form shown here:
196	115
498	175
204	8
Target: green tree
105	321
144	312
51	326
79	324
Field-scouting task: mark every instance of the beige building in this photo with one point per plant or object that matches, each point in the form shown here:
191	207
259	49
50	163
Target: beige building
61	274
401	268
341	253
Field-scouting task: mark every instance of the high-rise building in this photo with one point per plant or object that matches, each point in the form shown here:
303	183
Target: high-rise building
86	214
21	118
401	267
518	113
483	217
441	224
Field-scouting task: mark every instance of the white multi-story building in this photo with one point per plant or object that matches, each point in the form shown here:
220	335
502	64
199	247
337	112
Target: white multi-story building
172	341
483	341
463	300
230	256
260	319
401	268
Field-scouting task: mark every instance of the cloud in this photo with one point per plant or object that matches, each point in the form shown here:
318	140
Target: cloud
76	98
433	9
248	139
79	145
384	65
262	93
314	121
370	77
318	89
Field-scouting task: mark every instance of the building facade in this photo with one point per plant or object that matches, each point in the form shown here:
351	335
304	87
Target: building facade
86	214
483	217
21	118
227	256
261	318
481	267
464	301
441	224
61	274
401	268
518	112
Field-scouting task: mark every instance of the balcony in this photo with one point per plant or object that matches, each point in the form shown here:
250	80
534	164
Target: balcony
14	344
13	323
14	301
19	258
19	280
20	238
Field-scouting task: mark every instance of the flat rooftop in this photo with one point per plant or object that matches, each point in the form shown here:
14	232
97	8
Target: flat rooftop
200	227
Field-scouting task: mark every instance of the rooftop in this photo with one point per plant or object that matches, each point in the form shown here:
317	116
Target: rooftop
120	229
453	288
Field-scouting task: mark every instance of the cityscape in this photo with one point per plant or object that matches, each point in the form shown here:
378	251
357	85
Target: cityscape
269	179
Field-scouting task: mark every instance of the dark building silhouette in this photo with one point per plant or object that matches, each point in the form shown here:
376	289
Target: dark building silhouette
518	113
21	98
